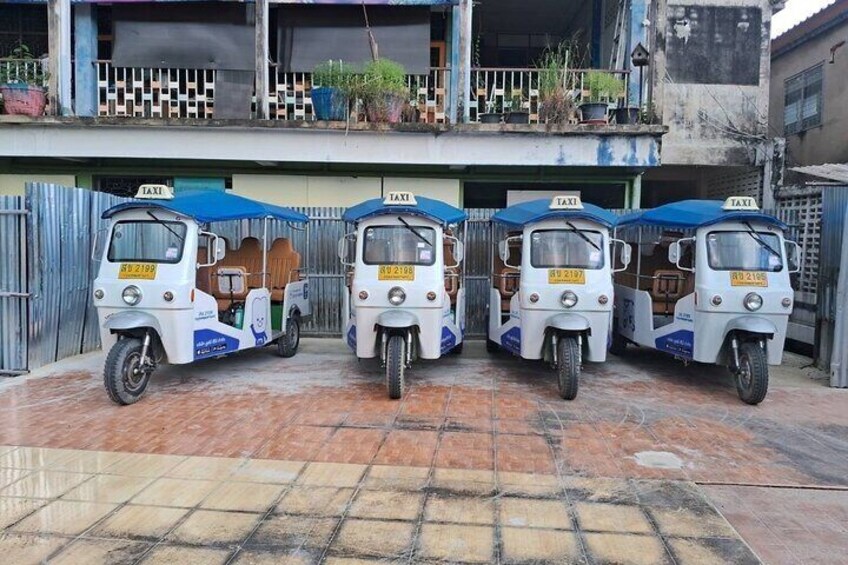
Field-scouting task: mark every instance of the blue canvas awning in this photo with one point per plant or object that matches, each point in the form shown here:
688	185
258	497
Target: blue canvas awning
213	206
689	214
535	211
435	210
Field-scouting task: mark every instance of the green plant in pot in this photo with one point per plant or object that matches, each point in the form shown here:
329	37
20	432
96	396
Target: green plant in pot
331	82
556	98
602	88
384	91
21	80
494	113
518	114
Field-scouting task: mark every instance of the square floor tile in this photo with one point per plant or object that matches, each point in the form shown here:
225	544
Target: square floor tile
210	527
44	484
469	544
34	457
460	510
65	517
279	557
593	489
146	522
389	477
612	518
706	551
268	471
294	532
464	481
170	555
625	549
532	545
332	474
372	538
13	509
101	552
108	488
315	501
250	497
145	465
354	561
529	513
531	484
21	549
175	492
78	461
210	468
9	476
386	505
686	523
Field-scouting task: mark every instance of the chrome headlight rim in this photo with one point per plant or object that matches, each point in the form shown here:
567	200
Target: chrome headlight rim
753	302
397	296
131	295
569	299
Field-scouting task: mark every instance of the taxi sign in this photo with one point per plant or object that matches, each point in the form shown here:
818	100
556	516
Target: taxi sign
741	203
400	199
155	191
572	202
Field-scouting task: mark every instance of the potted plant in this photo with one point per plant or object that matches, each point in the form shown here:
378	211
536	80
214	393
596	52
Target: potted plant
494	113
384	91
602	88
330	84
627	115
517	114
21	84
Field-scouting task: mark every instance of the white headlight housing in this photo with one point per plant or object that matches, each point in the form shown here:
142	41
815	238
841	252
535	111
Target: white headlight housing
397	296
131	295
568	299
753	301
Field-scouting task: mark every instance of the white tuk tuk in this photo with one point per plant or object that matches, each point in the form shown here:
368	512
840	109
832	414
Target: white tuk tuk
552	293
711	284
168	289
405	297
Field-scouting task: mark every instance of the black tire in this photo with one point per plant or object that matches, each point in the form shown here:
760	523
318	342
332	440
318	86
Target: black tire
618	347
492	347
289	342
752	376
123	378
458	349
396	366
568	366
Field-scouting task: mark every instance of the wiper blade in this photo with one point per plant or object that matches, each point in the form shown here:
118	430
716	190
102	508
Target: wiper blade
167	227
583	235
759	239
413	230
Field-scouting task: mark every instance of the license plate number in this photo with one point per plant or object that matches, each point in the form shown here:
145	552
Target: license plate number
142	271
566	276
396	273
742	278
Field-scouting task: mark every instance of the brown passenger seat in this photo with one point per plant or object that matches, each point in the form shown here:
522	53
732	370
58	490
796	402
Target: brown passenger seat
668	288
452	274
507	279
283	265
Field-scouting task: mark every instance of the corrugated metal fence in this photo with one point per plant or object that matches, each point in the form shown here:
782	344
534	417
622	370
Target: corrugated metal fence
13	285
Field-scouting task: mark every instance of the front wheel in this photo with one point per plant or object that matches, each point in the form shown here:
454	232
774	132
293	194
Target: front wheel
124	375
752	376
568	366
288	343
395	366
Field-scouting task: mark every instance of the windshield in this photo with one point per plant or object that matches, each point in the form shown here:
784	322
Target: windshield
556	249
744	251
399	245
147	241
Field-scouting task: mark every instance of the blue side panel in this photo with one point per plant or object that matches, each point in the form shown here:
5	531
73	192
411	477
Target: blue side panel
448	340
511	341
679	343
351	337
209	343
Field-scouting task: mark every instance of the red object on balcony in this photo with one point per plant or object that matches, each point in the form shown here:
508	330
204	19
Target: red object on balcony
23	99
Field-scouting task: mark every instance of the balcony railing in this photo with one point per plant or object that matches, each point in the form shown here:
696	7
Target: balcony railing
30	71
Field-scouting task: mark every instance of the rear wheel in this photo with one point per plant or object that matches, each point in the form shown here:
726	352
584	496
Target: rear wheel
124	376
491	346
568	366
619	345
457	350
752	376
395	366
288	343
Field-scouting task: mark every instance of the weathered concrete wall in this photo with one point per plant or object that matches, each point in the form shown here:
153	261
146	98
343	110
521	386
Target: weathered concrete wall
827	143
14	184
711	73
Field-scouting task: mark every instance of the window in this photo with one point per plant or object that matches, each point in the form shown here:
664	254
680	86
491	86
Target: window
803	101
557	249
147	241
399	245
744	251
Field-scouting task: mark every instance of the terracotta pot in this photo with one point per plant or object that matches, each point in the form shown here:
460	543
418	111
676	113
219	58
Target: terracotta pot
386	110
23	99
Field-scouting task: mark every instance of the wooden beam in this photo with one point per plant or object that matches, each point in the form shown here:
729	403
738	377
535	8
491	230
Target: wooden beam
262	60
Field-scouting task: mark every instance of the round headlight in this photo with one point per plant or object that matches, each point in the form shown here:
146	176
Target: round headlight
168	296
431	296
753	301
568	299
131	295
363	295
99	294
787	302
716	300
396	296
603	299
534	298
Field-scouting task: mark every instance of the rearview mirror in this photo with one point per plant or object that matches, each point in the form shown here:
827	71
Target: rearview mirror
458	251
793	257
503	251
220	249
674	252
344	250
624	256
681	253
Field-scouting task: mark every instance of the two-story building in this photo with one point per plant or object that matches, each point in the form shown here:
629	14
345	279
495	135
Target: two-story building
220	94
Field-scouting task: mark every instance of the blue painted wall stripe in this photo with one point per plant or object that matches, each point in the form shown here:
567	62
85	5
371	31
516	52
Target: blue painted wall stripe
85	54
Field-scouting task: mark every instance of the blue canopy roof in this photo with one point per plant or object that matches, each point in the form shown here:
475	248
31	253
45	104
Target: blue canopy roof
427	207
688	214
535	211
213	206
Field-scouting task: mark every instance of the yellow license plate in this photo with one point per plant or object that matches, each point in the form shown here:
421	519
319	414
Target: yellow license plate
396	273
143	271
566	276
742	278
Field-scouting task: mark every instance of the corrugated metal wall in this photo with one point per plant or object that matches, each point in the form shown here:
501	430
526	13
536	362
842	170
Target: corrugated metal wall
13	285
833	213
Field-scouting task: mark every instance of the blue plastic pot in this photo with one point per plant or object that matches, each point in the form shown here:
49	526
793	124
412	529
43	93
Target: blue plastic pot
329	103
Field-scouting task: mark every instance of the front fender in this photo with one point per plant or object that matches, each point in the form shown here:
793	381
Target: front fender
130	320
569	322
751	324
397	319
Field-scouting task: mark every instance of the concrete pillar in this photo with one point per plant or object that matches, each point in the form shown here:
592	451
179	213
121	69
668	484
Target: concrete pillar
774	165
85	56
636	193
657	68
59	49
262	59
638	33
461	47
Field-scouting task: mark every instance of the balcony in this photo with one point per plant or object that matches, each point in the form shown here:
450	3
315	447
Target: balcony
31	71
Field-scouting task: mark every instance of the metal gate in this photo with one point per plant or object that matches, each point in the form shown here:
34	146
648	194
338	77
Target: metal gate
13	286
